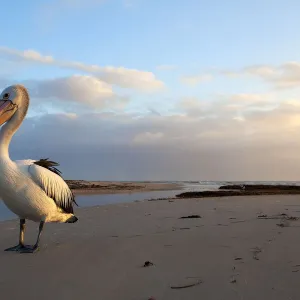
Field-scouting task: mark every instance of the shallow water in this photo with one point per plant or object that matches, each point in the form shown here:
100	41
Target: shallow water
98	199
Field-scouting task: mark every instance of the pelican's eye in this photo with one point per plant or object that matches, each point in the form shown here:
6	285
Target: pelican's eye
6	96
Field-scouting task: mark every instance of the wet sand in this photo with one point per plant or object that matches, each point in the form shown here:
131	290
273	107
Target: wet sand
241	248
117	187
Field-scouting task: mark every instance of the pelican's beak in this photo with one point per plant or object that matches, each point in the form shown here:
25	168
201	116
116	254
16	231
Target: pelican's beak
7	110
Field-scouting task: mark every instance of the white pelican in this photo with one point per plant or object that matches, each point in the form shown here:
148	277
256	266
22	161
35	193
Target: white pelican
31	189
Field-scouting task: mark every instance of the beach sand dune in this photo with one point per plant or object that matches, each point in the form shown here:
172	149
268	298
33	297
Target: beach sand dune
241	248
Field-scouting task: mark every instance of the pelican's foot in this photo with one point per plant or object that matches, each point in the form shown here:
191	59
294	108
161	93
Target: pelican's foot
23	249
29	249
16	248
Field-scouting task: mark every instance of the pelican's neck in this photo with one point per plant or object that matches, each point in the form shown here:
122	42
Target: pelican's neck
9	129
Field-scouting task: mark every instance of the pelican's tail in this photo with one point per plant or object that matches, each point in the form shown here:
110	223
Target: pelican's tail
72	219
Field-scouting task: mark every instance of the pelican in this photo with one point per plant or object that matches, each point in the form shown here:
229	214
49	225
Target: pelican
32	189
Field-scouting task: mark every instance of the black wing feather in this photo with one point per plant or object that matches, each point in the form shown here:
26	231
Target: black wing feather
48	164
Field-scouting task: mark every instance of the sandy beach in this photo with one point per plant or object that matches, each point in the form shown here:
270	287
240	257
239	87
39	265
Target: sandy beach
241	248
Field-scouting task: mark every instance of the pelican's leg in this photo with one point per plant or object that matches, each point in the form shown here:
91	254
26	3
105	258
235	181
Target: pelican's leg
35	247
21	238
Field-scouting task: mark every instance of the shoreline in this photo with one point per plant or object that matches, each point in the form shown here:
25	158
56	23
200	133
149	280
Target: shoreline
110	188
82	187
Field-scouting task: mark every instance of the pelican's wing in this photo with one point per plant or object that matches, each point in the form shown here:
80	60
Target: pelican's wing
47	177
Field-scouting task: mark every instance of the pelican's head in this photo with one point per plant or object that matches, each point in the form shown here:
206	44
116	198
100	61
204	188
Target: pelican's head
11	99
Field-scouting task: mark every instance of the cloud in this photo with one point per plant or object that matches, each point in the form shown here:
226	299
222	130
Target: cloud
26	55
287	75
195	80
284	76
245	136
263	71
193	106
120	76
218	144
130	78
80	93
246	101
79	89
235	103
249	98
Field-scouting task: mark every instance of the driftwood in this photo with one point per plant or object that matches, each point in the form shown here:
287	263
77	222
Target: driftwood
184	286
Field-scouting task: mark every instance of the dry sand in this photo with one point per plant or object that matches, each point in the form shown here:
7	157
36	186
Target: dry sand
116	187
234	254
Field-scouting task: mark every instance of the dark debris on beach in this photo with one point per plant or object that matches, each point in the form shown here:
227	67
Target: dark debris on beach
191	217
148	264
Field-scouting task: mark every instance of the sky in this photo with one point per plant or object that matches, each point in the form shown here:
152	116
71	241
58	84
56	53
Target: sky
157	89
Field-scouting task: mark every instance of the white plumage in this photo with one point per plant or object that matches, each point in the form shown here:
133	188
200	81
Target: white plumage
32	189
50	188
